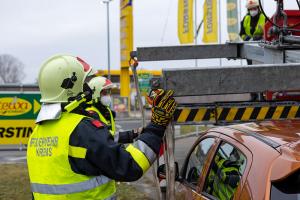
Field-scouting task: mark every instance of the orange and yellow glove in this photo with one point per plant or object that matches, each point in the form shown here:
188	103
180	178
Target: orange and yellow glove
163	106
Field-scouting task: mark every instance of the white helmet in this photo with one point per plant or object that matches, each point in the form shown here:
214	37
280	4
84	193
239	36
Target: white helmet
252	4
99	83
62	77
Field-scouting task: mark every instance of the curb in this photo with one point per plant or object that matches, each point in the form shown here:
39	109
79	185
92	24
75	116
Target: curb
13	149
129	119
193	134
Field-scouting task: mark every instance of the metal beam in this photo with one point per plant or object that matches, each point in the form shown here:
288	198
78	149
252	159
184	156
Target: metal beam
187	52
269	55
232	80
261	54
252	52
292	56
213	98
19	88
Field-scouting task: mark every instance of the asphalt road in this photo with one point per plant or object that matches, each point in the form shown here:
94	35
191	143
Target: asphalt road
182	147
7	155
128	124
12	156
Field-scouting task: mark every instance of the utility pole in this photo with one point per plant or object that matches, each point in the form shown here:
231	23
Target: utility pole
108	37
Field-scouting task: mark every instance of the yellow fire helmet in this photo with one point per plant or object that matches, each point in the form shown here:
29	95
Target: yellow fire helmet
61	77
99	83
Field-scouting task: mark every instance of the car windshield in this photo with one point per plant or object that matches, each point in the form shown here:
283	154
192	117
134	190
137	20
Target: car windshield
287	189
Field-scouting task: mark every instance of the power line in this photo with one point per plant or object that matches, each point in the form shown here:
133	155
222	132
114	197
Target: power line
166	21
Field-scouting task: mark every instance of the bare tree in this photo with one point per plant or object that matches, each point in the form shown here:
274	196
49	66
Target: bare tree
11	69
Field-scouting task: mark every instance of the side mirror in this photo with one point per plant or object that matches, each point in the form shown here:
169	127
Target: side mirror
161	172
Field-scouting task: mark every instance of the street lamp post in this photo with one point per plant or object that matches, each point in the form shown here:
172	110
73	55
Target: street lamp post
108	37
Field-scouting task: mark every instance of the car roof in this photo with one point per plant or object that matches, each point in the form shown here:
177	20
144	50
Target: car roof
272	133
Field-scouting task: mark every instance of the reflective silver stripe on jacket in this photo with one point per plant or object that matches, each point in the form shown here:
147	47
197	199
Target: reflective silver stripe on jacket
69	188
116	137
143	147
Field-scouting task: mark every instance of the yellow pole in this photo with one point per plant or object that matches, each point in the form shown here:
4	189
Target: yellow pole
126	32
124	82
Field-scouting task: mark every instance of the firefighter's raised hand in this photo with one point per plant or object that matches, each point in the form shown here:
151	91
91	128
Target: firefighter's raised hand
163	106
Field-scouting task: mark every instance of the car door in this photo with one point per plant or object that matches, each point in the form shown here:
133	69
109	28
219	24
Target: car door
195	167
228	170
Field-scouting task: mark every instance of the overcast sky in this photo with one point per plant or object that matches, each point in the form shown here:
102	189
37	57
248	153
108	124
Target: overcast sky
33	30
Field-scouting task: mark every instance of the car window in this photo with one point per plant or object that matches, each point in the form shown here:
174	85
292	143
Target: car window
197	160
287	189
225	172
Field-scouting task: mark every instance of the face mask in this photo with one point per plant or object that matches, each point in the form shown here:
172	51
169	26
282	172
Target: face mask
106	100
253	13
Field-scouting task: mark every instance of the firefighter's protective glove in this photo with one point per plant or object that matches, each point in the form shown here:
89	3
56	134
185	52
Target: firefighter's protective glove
163	106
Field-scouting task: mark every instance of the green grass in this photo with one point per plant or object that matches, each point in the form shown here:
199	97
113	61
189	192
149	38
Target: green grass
127	192
14	182
185	129
14	185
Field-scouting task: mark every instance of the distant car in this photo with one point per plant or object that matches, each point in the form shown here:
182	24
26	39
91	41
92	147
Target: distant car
245	161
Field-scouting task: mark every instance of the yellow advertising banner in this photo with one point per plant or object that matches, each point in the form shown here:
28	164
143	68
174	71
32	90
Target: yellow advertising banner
232	21
18	112
210	20
16	131
185	21
126	31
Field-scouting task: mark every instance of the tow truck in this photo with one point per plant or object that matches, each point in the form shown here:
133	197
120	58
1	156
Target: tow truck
262	136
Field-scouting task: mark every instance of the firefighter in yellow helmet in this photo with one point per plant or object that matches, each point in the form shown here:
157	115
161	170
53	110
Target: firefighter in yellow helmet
101	109
72	156
252	26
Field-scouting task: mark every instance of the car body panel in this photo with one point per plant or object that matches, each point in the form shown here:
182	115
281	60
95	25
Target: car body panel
281	131
265	162
286	164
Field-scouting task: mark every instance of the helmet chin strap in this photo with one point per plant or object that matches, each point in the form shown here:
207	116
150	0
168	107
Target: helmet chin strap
81	98
89	91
